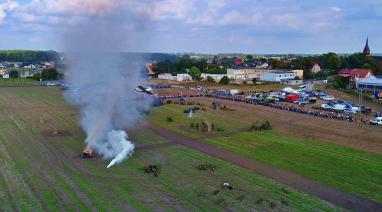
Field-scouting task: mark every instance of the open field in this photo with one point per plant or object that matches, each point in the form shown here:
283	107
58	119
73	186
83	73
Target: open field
40	170
344	155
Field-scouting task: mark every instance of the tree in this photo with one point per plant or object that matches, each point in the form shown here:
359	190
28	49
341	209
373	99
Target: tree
254	80
224	80
249	58
49	74
210	79
195	73
14	74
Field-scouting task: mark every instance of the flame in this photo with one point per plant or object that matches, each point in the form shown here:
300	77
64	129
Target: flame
87	153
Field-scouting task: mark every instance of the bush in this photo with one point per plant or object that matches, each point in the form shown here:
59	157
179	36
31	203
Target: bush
169	119
192	125
220	129
224	80
265	125
212	126
210	79
169	102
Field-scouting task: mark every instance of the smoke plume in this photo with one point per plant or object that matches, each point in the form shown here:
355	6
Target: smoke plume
102	80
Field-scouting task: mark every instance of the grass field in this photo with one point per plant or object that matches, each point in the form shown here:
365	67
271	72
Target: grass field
43	171
339	166
344	168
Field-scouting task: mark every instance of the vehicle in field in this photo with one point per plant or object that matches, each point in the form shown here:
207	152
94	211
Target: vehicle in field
312	99
326	106
365	110
200	88
352	108
301	102
376	121
327	98
292	97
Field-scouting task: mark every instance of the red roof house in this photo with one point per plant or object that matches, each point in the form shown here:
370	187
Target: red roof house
356	74
237	61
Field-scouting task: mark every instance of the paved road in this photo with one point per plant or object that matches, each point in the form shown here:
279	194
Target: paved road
334	196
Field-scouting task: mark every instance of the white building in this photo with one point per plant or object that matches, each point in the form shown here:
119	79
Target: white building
371	84
216	77
315	68
277	76
178	77
299	73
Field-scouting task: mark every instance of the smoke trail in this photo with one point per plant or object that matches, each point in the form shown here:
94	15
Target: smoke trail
102	79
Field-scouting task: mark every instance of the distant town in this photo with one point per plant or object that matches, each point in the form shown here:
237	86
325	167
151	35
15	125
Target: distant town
358	69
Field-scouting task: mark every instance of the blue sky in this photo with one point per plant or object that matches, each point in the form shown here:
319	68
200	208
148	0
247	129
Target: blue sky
213	26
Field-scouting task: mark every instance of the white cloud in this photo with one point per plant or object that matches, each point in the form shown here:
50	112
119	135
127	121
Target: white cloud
6	7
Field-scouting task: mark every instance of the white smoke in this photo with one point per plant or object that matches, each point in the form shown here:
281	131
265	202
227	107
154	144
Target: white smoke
118	138
102	80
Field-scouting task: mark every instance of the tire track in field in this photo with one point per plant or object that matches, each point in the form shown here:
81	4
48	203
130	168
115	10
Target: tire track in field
53	163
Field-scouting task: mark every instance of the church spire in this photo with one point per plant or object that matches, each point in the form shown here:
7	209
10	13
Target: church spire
366	50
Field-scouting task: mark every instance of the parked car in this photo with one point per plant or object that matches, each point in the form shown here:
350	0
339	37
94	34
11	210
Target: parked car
376	121
327	98
301	102
365	110
326	106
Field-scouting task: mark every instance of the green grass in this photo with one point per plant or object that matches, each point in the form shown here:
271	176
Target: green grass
341	167
181	121
46	173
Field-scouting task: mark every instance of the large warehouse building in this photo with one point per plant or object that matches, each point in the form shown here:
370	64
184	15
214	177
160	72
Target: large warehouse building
372	84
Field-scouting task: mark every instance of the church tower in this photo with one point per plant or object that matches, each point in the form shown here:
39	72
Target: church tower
366	50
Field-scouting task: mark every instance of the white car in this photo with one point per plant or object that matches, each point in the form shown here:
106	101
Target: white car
326	106
327	98
376	121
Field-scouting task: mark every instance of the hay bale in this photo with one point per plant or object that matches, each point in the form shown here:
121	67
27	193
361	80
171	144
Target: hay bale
205	126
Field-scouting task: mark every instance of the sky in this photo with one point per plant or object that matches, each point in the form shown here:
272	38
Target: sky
202	26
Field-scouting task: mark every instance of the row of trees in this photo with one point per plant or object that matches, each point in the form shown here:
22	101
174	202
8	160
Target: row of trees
46	74
331	63
28	56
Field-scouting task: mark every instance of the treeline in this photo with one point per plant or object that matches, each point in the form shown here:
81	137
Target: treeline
28	56
330	63
185	63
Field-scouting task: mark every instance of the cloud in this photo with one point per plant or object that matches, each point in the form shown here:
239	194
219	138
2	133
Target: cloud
6	7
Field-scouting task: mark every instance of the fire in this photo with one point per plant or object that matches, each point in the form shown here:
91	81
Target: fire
87	153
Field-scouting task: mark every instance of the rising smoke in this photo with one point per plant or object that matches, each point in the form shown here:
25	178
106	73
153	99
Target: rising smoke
102	80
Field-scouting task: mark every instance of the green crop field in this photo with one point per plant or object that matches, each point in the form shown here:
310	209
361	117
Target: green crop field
40	170
345	168
341	167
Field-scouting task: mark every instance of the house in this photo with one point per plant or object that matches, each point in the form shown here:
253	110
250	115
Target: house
178	77
247	72
262	65
237	61
371	84
3	71
315	68
356	74
151	68
299	73
277	75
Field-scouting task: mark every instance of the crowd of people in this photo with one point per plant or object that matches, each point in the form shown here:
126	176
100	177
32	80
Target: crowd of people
278	105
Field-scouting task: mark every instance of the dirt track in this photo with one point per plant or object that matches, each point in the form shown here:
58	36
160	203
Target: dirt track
324	192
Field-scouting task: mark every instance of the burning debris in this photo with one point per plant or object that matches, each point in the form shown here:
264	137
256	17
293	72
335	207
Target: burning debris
154	169
87	153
